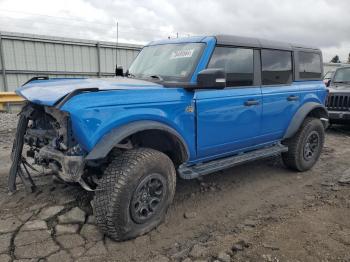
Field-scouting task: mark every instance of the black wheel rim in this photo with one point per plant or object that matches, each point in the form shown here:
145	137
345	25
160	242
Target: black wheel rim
148	198
311	146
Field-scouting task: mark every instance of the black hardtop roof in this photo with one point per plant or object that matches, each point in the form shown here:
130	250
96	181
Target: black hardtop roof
260	43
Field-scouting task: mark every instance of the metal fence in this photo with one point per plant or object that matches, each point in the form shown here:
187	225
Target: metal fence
23	56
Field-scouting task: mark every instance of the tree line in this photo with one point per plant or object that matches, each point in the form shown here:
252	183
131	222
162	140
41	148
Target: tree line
336	59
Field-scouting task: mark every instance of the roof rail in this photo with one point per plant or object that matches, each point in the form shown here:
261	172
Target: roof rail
36	78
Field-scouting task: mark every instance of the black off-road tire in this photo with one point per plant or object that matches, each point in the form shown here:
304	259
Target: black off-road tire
115	194
296	158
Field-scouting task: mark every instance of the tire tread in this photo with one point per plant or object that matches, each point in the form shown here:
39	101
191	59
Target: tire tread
292	157
111	187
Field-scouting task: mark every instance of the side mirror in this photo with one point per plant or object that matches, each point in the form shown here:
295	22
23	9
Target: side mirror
119	70
328	83
212	78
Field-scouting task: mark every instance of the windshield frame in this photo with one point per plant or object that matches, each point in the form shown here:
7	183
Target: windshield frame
170	79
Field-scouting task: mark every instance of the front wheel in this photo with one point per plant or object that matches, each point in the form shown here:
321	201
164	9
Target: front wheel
305	147
134	193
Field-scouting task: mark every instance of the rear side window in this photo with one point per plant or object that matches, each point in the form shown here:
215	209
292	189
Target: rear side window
310	65
238	64
276	67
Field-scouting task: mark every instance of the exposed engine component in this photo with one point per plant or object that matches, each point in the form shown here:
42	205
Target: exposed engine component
69	168
46	133
48	126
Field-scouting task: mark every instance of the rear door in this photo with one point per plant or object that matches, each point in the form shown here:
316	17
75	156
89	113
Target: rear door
228	120
280	95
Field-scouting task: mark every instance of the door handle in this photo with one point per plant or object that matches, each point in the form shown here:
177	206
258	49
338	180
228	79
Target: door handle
251	102
292	98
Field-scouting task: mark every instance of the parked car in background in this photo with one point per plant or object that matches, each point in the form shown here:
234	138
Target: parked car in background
328	76
338	101
185	107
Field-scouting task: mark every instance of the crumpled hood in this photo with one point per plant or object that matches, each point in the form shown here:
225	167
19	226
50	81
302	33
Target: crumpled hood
48	92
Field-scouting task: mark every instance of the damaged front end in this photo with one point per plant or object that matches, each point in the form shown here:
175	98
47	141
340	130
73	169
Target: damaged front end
45	134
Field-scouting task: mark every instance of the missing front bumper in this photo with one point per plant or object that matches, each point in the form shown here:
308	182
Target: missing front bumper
68	164
68	168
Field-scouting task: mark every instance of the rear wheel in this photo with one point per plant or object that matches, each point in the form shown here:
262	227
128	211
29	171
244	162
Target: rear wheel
305	147
134	193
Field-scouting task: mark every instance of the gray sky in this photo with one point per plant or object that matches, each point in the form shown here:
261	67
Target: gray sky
321	23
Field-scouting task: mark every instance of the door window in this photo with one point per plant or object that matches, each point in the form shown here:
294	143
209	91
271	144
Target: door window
276	67
238	64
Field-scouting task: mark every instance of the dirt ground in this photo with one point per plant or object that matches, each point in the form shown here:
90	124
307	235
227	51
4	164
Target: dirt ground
257	212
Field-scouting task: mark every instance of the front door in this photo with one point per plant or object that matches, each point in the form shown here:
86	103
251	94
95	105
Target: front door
229	120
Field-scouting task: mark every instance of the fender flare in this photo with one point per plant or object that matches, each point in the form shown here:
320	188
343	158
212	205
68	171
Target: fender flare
116	135
300	115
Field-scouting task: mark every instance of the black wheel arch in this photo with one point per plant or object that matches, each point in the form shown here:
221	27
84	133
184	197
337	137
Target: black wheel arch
309	109
140	129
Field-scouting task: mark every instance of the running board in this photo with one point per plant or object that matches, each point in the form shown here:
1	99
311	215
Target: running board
194	171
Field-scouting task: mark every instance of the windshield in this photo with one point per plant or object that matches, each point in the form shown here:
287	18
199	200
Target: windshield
170	62
342	75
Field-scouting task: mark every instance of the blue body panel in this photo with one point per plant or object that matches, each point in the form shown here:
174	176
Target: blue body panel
277	110
312	91
95	114
224	123
48	92
220	125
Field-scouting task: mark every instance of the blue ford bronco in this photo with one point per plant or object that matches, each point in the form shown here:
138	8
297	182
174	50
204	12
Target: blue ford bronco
186	107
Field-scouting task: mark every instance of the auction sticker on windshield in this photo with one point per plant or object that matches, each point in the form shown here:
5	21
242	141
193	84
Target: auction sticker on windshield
182	54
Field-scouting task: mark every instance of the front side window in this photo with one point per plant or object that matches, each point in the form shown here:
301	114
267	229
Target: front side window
170	62
310	65
276	67
238	64
342	75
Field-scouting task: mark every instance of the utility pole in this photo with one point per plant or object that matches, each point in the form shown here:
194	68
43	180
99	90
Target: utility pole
116	47
118	70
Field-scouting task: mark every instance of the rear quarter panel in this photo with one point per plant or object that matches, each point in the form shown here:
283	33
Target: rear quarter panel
312	91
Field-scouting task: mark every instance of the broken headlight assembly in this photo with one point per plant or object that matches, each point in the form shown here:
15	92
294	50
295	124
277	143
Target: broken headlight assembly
46	135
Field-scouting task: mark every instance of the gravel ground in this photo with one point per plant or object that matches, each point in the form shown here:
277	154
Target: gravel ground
256	212
8	122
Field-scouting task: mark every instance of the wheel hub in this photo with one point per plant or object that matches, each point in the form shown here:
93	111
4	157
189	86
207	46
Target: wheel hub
148	198
311	146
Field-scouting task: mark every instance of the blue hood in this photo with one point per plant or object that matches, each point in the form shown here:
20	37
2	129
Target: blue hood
48	92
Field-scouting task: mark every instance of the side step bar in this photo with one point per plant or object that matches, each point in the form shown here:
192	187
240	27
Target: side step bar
194	171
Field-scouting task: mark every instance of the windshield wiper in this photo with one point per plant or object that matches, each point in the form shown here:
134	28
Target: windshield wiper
157	77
